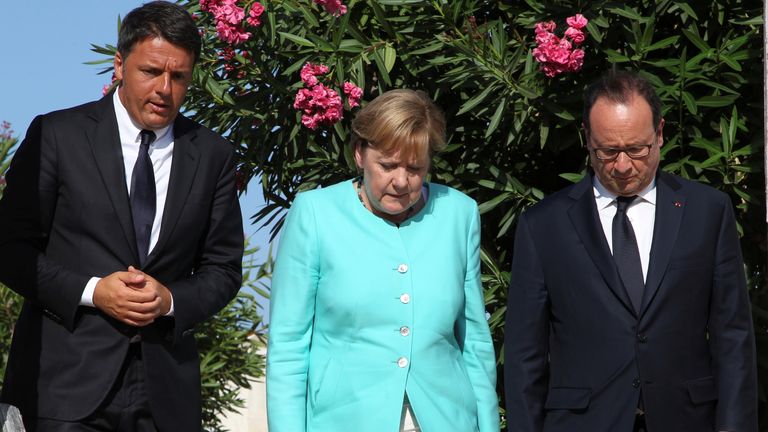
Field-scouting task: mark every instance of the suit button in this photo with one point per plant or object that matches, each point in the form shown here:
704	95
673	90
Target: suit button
405	331
402	362
402	268
642	338
405	298
635	383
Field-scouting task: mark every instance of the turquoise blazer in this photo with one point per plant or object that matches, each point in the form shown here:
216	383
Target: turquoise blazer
363	312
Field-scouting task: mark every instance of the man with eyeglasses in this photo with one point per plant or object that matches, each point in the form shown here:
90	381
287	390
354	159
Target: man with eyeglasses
628	307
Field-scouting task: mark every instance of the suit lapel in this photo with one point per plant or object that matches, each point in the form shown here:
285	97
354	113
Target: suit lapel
186	156
586	222
104	139
669	213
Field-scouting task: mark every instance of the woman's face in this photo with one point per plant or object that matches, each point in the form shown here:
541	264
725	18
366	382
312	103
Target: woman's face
392	185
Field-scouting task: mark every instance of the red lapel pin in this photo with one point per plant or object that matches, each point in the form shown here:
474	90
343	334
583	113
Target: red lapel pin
678	204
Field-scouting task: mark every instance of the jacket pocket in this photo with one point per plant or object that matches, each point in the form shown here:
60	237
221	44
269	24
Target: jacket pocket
570	398
701	390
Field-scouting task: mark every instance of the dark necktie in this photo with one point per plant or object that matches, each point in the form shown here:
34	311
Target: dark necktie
626	253
143	196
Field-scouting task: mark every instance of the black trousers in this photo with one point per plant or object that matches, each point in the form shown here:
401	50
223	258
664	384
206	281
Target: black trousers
126	408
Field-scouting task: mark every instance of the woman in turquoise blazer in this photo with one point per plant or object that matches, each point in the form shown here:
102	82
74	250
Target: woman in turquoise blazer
377	317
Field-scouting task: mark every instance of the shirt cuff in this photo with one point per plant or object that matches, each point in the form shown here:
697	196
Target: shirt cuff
87	298
170	311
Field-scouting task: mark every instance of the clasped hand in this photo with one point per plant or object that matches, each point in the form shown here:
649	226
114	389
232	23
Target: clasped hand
132	297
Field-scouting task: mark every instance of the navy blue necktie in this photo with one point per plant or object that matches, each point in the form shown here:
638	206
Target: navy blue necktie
626	253
143	196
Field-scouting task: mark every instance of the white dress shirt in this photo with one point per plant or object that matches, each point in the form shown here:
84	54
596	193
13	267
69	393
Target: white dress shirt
161	154
641	213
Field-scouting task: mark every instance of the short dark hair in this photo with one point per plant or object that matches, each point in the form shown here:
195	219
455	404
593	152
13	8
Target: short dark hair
620	86
159	19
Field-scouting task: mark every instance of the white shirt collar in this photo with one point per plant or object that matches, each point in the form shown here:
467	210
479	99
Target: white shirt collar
127	127
605	198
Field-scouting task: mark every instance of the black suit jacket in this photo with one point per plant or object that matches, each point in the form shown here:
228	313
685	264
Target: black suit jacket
577	355
65	217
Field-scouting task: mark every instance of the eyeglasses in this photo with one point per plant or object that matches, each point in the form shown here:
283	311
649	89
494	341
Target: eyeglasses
634	152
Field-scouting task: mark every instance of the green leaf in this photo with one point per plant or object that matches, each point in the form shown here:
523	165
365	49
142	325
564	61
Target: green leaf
663	44
685	7
717	101
390	56
468	105
496	118
696	40
297	39
690	103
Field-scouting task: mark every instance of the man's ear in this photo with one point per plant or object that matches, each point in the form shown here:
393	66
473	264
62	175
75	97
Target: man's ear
660	133
118	64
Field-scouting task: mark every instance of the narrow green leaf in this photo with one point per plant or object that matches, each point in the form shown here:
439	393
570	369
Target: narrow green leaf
297	39
690	103
717	101
468	105
685	7
696	40
496	118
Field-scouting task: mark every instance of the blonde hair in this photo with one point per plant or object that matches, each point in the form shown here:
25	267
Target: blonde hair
401	121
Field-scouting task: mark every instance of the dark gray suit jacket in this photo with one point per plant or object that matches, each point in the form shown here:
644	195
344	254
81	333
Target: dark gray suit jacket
578	356
65	217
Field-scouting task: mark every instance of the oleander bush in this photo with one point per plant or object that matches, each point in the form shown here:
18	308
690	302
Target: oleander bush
514	130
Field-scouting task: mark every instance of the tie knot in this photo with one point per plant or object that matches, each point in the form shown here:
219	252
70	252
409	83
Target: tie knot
622	202
147	137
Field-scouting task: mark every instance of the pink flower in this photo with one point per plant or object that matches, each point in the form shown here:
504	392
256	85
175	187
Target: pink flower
576	60
333	7
557	55
231	34
576	35
253	15
354	93
577	21
310	71
320	106
545	27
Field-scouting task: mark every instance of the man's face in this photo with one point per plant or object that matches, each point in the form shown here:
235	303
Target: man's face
154	79
619	126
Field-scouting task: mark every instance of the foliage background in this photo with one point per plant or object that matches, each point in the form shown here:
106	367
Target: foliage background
514	135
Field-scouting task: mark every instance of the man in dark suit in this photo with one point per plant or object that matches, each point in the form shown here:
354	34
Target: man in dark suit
628	308
120	227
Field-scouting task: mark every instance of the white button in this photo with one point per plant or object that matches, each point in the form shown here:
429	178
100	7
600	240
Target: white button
405	298
402	362
405	331
402	268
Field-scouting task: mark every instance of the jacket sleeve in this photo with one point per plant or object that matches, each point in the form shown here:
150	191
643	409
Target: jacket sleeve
475	337
26	214
731	332
526	336
292	312
217	274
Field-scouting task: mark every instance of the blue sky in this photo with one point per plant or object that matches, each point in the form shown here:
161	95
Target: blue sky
45	46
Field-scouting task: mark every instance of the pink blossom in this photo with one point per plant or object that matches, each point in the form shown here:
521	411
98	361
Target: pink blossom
557	55
576	60
354	93
333	7
320	105
545	27
577	21
253	15
576	35
309	73
231	34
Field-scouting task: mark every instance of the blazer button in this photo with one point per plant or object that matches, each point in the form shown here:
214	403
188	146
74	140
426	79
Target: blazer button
405	331
642	338
405	298
636	383
402	268
402	362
